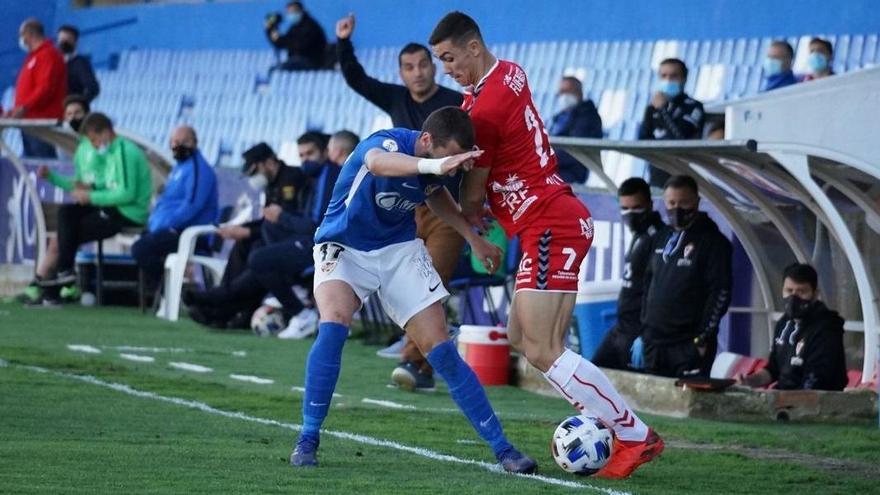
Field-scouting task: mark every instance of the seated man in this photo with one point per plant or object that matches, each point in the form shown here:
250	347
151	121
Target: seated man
189	198
88	174
687	287
576	118
819	61
367	245
622	347
777	66
807	351
123	201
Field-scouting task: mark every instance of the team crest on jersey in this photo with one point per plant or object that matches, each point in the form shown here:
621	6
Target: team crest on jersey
431	189
328	266
586	227
288	192
389	145
688	250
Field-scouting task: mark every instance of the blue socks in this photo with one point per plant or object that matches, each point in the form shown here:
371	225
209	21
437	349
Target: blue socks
322	372
469	395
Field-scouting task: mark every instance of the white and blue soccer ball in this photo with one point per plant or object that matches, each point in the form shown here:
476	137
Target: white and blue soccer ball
267	321
582	445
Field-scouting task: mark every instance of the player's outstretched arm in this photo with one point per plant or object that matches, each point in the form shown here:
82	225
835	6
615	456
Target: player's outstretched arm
472	196
393	164
442	204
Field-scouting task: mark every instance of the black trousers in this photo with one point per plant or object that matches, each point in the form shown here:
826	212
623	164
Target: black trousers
150	251
79	224
679	359
279	266
614	351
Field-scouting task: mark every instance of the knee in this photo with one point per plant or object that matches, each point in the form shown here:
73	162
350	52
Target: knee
539	356
335	315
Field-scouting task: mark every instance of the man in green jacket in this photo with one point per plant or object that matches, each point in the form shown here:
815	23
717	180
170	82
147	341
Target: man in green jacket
123	201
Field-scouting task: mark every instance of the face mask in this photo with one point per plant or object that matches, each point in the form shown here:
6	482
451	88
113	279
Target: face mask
102	150
636	219
23	45
669	88
681	218
796	308
565	101
66	47
258	182
772	67
817	62
295	17
182	153
74	124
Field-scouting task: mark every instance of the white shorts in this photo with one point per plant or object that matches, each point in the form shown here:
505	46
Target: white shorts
402	274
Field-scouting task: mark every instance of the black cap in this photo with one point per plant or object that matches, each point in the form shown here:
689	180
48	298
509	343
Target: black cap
258	153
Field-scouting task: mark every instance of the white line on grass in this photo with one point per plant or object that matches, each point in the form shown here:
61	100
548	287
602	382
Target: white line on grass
388	404
363	439
302	390
84	348
252	379
196	368
134	348
137	357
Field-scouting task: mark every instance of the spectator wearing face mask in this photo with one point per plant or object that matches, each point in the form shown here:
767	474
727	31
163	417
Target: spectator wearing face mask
189	198
622	347
576	117
81	78
807	351
777	66
819	60
687	287
672	114
305	41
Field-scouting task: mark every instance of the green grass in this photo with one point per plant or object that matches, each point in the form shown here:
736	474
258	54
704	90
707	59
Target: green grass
60	434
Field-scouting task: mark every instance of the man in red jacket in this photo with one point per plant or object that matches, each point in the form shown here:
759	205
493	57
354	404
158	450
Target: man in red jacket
41	85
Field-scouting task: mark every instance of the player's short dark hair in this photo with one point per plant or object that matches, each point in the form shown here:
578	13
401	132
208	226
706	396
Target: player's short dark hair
801	273
96	122
313	137
34	26
457	27
786	46
825	44
682	182
77	100
67	28
450	124
351	139
679	63
411	48
576	82
635	186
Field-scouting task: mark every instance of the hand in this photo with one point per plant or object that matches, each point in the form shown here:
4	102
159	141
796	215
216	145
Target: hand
234	232
461	161
659	100
489	254
272	213
82	185
478	218
344	27
81	196
637	354
43	172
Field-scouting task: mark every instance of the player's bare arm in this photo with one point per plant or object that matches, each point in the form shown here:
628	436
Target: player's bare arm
472	197
442	204
393	164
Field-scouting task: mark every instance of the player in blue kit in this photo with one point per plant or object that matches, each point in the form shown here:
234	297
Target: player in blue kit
367	244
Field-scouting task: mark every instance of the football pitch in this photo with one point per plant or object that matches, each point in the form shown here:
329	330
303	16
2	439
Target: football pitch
106	400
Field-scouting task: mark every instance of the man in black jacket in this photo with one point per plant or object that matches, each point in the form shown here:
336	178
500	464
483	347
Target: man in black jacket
304	42
576	117
80	75
619	349
687	287
408	106
807	352
672	114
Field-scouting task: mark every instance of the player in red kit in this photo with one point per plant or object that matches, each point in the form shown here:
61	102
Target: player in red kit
517	172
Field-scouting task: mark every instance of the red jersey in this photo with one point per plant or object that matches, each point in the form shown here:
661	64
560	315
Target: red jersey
515	145
42	83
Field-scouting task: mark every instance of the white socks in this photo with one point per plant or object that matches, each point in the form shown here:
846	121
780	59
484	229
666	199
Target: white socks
589	391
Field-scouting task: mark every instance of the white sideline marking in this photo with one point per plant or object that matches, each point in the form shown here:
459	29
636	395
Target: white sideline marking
137	357
388	404
302	390
467	442
239	353
134	348
196	368
252	379
84	348
363	439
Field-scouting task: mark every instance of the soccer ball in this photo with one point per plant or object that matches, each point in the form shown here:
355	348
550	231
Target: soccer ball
582	445
267	321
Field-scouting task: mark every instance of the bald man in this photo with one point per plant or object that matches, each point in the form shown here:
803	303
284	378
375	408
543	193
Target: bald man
189	198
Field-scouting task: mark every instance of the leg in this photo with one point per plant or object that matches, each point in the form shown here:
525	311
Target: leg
80	224
278	266
614	351
150	251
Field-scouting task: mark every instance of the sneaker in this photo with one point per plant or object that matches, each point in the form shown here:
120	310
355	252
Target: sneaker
306	453
514	461
302	325
32	294
393	350
70	293
63	278
408	377
628	455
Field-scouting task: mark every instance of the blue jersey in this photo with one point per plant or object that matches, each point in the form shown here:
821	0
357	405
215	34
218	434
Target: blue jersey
368	212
